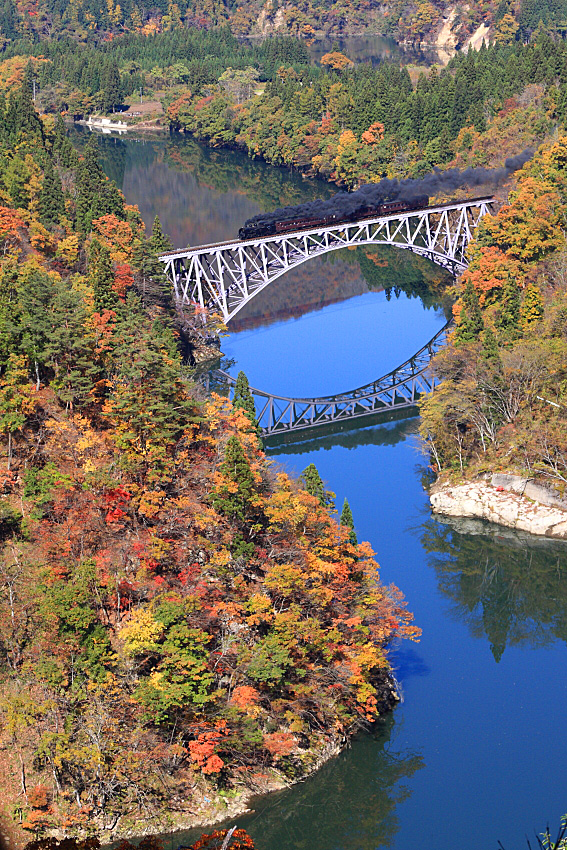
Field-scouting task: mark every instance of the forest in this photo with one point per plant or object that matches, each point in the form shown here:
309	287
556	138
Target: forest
348	123
501	405
179	622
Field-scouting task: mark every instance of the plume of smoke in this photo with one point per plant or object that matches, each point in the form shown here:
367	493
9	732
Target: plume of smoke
345	203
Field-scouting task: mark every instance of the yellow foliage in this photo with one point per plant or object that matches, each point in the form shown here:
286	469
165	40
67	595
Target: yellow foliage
68	249
141	632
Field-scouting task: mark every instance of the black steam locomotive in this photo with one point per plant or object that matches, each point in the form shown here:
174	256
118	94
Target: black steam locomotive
252	229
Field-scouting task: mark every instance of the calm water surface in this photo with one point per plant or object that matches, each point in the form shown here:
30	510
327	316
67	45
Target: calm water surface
476	752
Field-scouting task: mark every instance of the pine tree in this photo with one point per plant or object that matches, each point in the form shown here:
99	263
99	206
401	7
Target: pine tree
96	196
471	321
313	483
508	317
51	199
244	400
489	350
348	521
159	242
531	310
101	277
236	468
112	87
63	150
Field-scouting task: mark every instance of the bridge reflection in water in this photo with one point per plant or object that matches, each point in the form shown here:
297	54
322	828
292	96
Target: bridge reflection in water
391	395
226	276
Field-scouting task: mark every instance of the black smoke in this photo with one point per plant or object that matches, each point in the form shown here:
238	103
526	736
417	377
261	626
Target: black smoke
345	203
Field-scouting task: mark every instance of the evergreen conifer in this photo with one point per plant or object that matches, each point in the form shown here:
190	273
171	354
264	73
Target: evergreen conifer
313	483
159	242
471	321
236	468
244	400
348	521
489	350
101	277
51	199
508	317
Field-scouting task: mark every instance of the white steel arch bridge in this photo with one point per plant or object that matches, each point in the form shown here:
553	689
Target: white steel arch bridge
225	276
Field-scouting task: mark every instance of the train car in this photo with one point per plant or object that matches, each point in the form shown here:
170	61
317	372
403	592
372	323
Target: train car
256	229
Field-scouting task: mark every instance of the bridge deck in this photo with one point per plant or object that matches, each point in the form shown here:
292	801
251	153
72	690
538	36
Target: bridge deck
197	249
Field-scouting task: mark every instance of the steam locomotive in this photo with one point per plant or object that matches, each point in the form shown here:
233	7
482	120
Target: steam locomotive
252	229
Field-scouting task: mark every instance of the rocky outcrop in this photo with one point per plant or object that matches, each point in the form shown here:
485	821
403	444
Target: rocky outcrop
507	500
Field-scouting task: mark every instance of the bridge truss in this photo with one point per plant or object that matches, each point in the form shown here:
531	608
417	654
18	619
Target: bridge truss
226	276
398	390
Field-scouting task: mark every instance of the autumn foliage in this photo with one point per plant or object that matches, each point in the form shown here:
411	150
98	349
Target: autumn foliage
175	617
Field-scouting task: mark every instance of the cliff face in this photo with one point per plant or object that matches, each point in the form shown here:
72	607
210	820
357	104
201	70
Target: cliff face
508	500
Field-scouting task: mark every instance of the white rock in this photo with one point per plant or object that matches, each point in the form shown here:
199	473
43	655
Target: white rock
480	499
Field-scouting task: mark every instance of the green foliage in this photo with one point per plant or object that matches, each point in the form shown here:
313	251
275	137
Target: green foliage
237	502
101	277
471	322
96	196
270	662
10	520
508	317
313	483
159	242
51	200
348	521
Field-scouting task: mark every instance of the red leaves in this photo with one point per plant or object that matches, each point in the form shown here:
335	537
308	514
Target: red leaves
203	750
123	279
279	744
116	499
239	840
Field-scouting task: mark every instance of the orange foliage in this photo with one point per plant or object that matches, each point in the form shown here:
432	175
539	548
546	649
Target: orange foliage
374	133
123	279
279	744
244	697
117	235
488	272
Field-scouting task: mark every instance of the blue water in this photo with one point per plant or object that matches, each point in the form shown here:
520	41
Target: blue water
491	735
337	348
476	752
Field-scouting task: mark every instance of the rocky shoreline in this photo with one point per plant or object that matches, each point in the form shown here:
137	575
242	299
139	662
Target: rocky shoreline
509	500
209	807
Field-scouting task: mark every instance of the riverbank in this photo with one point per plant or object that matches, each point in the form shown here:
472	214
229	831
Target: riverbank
508	500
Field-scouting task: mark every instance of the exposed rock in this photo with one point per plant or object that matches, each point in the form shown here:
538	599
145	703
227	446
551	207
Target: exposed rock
507	503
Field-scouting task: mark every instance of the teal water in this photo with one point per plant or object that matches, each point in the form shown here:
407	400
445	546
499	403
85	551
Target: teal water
476	752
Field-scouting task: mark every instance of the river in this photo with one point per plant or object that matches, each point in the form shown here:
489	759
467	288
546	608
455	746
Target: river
476	752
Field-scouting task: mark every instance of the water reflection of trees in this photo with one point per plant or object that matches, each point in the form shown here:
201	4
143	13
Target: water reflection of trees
229	171
396	271
508	587
350	802
386	434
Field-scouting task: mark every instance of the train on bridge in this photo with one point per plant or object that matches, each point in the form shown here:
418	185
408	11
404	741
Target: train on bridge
253	229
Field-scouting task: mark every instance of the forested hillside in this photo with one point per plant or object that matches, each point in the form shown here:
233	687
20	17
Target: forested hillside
348	123
502	405
179	624
411	20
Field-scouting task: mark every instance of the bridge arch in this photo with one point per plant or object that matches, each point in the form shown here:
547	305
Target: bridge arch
225	276
398	390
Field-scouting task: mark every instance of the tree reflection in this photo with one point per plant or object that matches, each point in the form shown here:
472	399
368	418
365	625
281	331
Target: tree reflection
507	586
345	435
350	802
